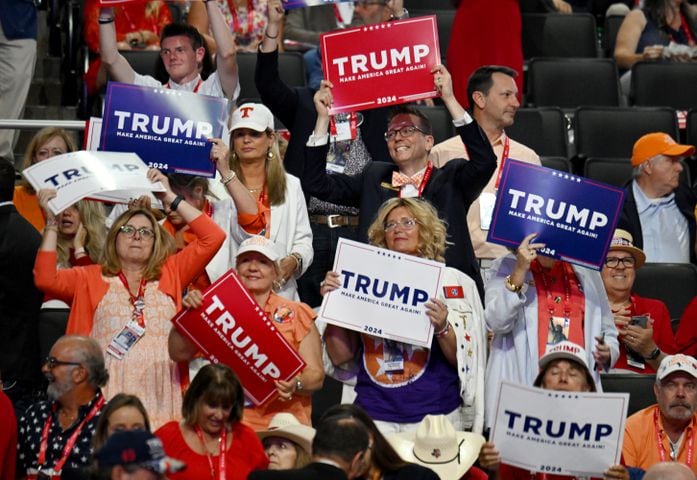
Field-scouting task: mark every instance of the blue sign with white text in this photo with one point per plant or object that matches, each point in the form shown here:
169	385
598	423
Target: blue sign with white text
573	216
168	129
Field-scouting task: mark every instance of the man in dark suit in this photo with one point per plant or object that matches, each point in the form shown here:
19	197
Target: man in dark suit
19	299
450	189
340	451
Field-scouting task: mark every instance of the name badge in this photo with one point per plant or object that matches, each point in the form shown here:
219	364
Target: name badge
343	126
125	339
487	201
393	356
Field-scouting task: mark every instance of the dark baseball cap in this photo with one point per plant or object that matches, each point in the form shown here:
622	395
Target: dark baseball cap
137	448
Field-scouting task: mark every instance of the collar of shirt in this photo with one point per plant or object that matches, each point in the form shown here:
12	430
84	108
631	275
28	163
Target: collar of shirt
643	203
2	204
410	190
188	86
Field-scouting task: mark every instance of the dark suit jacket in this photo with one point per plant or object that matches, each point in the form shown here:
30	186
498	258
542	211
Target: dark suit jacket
451	190
296	109
19	300
314	471
685	198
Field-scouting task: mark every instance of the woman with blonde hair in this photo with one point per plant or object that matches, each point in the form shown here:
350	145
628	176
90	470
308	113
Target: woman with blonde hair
48	142
127	301
448	377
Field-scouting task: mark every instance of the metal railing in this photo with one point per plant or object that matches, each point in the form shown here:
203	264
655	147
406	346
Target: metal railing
37	124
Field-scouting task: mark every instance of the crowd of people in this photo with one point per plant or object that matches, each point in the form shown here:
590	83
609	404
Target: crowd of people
98	382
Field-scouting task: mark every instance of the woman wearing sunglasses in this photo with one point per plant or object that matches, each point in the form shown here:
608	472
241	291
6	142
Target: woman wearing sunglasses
126	302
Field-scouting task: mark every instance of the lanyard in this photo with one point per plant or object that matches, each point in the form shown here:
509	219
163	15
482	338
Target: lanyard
236	27
424	180
58	466
661	450
195	90
539	274
137	301
221	452
504	157
686	29
340	23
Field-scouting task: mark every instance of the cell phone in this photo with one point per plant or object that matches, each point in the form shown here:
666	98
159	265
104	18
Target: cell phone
640	320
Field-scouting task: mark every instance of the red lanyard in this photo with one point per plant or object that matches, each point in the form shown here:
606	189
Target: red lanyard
686	30
208	209
236	27
424	180
504	157
221	452
539	274
195	90
58	466
137	301
661	450
339	18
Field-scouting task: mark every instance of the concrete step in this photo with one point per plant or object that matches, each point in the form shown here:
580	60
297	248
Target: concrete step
45	91
50	112
47	67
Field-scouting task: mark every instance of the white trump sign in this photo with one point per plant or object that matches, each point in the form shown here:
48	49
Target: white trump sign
557	432
382	293
107	176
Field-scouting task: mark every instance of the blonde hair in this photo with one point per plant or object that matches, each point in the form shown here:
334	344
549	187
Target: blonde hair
275	173
41	137
93	221
162	247
432	230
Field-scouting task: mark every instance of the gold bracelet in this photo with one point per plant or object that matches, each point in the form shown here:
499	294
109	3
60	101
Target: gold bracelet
228	179
511	287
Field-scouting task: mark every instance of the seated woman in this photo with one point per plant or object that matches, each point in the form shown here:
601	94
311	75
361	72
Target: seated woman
81	237
211	438
126	301
287	442
47	143
534	302
259	270
645	332
564	367
123	412
646	32
448	377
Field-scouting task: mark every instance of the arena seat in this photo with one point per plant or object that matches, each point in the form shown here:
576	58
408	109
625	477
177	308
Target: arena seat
558	35
291	67
611	27
612	131
570	83
441	121
557	163
146	62
615	171
673	283
670	84
639	387
545	130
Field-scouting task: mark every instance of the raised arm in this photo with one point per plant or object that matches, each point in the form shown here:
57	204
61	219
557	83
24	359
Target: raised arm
118	67
226	50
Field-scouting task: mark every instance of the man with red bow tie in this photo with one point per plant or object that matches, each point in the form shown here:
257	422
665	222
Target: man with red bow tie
451	189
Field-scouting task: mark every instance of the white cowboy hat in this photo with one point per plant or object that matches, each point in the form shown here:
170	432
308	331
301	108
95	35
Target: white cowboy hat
285	425
436	445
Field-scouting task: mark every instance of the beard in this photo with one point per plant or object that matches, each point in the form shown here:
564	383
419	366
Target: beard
57	388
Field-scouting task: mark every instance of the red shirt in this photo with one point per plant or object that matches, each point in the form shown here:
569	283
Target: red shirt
8	437
244	455
686	338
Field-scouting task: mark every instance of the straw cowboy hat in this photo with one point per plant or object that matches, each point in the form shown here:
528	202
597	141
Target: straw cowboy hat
436	445
285	425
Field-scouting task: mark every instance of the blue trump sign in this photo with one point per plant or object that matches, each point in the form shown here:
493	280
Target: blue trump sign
573	216
168	129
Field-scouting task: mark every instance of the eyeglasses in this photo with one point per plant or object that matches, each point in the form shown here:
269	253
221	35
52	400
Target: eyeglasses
614	262
143	232
53	362
405	223
404	132
367	3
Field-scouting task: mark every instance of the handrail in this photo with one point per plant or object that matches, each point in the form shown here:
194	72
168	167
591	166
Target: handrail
35	123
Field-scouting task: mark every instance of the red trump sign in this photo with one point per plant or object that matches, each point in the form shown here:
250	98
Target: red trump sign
378	65
231	328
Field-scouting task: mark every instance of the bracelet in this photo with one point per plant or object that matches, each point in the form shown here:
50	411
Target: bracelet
443	331
52	222
228	179
299	387
511	287
104	21
298	259
266	34
175	203
80	251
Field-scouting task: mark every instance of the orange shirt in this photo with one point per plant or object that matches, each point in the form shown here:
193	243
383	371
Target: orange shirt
27	204
640	448
293	320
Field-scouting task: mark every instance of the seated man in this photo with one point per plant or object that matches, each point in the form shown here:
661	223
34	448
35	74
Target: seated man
562	368
645	332
55	436
182	51
665	431
658	210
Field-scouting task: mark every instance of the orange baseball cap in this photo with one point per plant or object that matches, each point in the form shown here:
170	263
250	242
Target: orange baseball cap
657	143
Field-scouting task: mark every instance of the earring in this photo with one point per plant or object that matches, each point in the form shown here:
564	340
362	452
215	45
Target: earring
269	154
233	156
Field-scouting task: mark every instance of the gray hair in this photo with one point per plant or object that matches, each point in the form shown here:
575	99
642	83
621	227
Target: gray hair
90	355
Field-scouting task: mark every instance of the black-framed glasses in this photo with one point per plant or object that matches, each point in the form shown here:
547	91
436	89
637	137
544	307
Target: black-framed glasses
614	262
405	223
53	362
404	132
130	231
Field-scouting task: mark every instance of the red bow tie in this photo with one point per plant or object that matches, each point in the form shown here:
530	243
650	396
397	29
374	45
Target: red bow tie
399	179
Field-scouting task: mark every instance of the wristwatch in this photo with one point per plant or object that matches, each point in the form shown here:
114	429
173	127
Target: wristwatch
654	354
299	384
